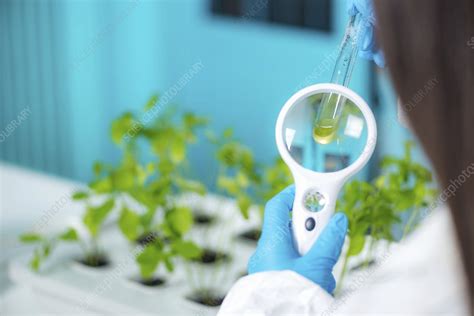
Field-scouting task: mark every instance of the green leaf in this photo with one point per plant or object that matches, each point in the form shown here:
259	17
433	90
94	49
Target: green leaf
125	125
228	184
69	235
168	264
95	216
80	195
165	167
123	179
190	185
242	180
101	186
98	168
178	151
151	102
30	238
186	249
228	133
35	261
356	245
180	219
148	260
46	250
192	121
244	203
143	196
129	223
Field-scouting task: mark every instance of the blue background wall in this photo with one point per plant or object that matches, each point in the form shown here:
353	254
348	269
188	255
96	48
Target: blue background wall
79	64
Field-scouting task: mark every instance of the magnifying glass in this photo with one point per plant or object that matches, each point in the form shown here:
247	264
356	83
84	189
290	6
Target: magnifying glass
322	160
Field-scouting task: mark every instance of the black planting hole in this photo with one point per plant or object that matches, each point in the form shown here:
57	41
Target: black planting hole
210	256
95	261
206	298
152	282
252	234
203	219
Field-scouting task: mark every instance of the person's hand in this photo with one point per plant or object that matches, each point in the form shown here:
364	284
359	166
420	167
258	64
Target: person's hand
369	49
275	250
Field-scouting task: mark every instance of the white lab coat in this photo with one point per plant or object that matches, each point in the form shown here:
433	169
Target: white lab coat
423	276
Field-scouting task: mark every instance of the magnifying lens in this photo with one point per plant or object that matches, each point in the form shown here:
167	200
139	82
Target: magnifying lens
322	161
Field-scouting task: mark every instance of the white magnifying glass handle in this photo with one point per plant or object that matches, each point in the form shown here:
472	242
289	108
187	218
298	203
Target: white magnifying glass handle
349	148
313	207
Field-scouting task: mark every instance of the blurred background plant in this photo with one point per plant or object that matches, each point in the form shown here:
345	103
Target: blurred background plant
404	187
139	191
250	183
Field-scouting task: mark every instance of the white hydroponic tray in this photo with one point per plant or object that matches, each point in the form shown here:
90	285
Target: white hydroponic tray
111	290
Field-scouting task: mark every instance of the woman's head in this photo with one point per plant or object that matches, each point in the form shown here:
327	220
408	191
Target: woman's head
428	42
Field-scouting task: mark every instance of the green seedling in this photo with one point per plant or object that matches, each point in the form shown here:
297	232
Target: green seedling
238	173
373	208
167	139
45	245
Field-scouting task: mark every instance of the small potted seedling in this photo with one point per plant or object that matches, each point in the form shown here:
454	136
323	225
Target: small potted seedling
99	203
238	174
45	245
156	220
373	208
167	139
166	249
208	275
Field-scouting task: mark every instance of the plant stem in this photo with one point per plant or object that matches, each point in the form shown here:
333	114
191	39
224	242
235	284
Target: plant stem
94	254
343	272
369	252
409	224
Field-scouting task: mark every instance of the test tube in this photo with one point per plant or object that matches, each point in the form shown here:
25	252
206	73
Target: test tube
327	118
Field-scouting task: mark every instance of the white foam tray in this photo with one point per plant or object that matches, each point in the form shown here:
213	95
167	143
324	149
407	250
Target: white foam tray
111	291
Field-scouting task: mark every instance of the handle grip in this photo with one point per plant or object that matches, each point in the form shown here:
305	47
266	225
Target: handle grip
312	210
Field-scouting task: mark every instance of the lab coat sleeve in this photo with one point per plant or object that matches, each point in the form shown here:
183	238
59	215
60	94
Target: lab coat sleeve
275	293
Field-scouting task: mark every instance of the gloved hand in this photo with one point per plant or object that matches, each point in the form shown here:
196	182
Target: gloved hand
369	49
275	250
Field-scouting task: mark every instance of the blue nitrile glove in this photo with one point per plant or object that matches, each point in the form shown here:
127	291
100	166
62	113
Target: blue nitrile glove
369	49
275	250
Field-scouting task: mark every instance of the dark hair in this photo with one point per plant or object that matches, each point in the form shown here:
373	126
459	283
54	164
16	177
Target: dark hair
432	42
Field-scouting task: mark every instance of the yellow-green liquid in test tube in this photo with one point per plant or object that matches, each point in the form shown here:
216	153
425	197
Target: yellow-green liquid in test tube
326	122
